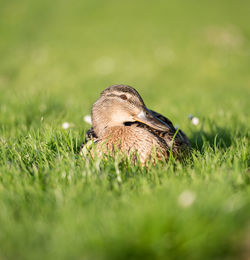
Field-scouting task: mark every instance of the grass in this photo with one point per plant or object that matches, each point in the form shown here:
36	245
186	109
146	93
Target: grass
184	58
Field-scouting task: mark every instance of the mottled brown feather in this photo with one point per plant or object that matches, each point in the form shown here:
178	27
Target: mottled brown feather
137	137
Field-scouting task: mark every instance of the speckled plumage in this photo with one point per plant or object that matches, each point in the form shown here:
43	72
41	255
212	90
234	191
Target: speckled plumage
133	139
131	136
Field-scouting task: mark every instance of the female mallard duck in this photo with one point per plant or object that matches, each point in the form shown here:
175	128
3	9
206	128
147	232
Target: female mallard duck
122	122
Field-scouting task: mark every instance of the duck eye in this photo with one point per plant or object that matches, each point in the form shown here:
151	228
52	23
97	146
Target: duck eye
124	97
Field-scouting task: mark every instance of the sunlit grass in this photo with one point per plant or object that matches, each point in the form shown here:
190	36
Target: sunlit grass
186	58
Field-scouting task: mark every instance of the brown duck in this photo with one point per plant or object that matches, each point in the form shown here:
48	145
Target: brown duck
122	122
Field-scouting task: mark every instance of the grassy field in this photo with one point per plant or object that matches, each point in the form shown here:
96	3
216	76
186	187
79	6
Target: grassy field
189	57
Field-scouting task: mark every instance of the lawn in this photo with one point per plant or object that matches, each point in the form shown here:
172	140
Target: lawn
189	57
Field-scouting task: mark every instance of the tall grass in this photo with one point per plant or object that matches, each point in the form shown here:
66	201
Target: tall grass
183	58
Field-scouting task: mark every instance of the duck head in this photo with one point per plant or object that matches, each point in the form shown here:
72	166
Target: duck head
119	105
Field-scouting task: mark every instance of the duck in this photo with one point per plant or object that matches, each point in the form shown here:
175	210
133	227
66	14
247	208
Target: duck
121	123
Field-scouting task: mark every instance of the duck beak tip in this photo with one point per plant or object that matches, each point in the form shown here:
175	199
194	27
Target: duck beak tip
147	118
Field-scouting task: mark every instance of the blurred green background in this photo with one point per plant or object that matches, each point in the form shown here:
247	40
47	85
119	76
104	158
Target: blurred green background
184	57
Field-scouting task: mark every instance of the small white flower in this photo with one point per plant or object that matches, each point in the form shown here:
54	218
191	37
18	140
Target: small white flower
87	119
65	125
186	198
195	121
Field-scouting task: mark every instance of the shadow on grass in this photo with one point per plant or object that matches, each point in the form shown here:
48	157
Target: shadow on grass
214	136
220	137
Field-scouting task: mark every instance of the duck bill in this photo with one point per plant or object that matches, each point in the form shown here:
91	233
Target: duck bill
147	118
